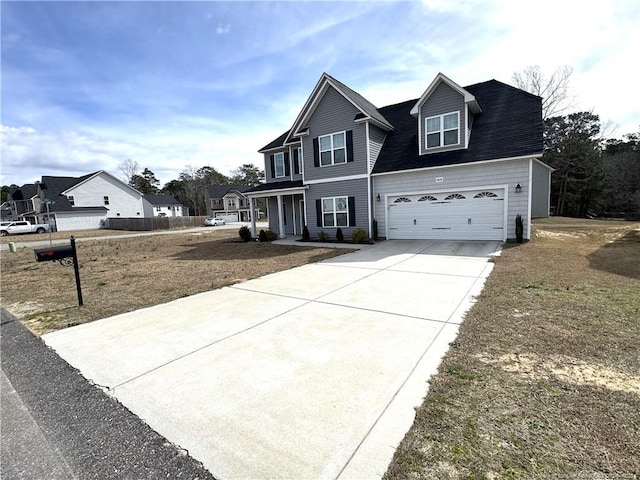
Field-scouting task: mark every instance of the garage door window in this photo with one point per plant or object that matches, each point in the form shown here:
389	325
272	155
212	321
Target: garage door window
428	198
402	200
335	212
455	196
485	195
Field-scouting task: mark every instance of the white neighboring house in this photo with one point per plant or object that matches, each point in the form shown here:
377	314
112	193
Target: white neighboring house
162	206
84	203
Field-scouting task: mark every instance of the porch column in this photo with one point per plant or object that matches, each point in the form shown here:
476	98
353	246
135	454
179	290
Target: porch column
252	215
281	217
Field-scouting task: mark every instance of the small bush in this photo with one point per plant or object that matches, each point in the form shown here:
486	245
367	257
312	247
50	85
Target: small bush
374	229
359	236
262	236
271	235
323	236
519	228
245	233
305	234
339	235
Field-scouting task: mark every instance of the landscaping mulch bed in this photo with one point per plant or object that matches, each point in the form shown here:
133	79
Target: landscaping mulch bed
543	380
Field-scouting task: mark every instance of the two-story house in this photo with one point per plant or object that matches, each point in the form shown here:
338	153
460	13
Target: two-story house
457	163
229	202
23	202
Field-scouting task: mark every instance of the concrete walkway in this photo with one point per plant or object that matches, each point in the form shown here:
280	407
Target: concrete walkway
312	372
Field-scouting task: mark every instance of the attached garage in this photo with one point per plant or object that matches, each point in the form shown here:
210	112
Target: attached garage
478	214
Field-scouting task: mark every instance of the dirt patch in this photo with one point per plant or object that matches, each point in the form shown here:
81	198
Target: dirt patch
125	274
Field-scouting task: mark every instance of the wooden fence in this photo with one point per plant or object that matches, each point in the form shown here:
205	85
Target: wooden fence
154	223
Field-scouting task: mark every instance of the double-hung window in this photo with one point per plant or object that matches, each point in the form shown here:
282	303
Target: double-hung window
335	212
443	130
106	200
332	149
72	200
279	165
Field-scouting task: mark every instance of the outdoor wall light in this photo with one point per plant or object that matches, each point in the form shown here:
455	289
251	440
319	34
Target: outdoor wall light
378	198
518	188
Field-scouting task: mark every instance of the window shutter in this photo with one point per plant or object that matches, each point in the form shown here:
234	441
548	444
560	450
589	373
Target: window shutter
316	153
352	211
273	166
287	166
319	212
349	145
296	159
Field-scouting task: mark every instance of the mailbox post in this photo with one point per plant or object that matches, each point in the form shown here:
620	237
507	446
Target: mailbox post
66	255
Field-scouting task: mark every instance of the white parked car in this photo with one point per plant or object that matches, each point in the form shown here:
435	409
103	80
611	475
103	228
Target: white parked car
213	222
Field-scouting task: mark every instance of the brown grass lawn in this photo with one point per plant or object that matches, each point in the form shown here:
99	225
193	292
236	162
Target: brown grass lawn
544	378
44	237
131	273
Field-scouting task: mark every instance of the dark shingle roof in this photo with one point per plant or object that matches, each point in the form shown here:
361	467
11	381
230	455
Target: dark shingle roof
53	188
219	191
278	142
161	200
276	186
510	125
25	192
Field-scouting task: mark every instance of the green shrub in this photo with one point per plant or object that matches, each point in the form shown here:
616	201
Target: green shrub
374	229
339	235
245	233
305	234
359	236
271	235
262	236
519	228
323	236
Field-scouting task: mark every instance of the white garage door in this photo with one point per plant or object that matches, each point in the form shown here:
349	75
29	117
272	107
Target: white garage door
463	215
229	217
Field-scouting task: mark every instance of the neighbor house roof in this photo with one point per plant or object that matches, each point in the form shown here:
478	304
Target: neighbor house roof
25	192
219	191
161	200
510	125
54	186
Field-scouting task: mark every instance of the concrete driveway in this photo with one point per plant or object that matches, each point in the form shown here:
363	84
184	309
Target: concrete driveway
313	372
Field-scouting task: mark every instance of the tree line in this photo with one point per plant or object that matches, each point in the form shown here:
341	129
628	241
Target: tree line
593	176
190	188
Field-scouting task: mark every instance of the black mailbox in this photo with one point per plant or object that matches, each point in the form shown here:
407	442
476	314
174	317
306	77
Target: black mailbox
53	253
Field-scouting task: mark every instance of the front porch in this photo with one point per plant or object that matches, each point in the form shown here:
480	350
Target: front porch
285	207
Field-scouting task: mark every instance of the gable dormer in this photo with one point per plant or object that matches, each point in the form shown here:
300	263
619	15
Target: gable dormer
444	114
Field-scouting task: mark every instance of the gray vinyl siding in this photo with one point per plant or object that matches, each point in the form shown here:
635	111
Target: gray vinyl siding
376	139
350	188
268	173
288	204
334	114
443	99
508	172
540	176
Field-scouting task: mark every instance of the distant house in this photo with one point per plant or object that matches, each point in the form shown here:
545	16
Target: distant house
162	206
229	202
86	202
23	202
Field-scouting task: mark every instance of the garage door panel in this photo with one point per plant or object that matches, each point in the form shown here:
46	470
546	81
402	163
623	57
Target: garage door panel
452	215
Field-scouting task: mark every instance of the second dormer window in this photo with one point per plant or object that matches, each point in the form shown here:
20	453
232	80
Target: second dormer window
332	149
443	130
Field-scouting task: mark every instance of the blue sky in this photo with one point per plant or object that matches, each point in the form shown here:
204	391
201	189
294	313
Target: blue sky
88	85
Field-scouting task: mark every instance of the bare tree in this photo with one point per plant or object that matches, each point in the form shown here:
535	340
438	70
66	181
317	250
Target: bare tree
129	169
554	90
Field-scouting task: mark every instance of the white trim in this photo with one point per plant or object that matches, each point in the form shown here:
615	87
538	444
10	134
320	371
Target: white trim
302	214
335	211
441	131
504	187
275	168
332	149
369	167
293	214
420	149
304	198
276	191
468	98
366	133
467	129
337	179
529	194
290	164
481	162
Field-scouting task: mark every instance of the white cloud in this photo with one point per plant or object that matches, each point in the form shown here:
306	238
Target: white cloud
223	29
